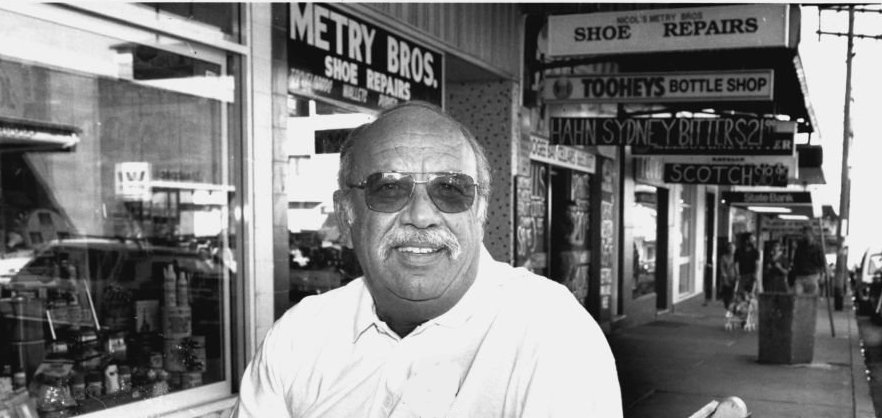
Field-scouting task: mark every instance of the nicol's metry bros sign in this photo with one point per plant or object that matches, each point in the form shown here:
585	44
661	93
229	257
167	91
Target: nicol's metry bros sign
654	136
335	55
665	30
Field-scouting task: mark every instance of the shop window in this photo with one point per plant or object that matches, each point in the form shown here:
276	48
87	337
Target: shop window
645	221
116	200
318	258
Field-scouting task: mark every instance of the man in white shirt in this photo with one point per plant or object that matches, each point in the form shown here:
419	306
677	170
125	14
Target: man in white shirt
435	327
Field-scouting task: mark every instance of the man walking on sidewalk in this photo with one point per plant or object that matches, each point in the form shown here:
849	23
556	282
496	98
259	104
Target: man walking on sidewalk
808	264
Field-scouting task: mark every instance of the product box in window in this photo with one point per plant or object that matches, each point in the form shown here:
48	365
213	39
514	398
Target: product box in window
147	316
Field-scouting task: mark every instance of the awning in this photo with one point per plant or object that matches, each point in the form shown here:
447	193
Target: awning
790	91
21	135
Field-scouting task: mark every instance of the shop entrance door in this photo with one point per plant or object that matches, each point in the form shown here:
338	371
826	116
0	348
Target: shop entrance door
570	253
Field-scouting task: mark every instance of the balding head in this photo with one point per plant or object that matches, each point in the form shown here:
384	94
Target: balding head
406	113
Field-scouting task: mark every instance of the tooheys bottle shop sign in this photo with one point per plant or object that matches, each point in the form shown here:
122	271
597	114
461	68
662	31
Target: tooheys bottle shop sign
335	55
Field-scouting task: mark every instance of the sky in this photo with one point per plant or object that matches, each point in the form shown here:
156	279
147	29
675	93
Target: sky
825	70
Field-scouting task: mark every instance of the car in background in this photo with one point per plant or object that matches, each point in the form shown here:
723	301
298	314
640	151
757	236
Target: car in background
867	283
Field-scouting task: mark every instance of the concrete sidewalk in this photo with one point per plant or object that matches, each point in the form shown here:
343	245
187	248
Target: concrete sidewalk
684	359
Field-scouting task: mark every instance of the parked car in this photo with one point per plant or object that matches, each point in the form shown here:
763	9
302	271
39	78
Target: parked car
868	283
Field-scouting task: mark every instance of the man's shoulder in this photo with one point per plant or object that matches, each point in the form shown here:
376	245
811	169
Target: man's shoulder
538	297
316	312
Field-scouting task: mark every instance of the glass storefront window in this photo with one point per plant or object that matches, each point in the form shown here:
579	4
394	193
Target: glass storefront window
116	200
645	220
318	259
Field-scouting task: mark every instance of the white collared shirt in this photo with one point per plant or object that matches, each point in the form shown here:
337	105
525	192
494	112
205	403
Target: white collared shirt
515	345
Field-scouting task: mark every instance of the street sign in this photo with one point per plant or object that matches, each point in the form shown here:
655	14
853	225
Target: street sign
661	87
689	136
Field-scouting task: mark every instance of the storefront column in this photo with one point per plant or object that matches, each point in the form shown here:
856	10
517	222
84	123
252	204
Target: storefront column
489	110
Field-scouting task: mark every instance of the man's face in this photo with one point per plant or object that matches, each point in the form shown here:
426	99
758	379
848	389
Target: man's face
397	264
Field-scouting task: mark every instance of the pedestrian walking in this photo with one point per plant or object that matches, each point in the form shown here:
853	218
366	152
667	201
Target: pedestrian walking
747	257
808	264
728	274
775	274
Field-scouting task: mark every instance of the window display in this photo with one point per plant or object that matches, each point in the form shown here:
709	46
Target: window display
116	225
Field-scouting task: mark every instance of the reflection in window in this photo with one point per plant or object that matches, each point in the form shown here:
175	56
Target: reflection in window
318	259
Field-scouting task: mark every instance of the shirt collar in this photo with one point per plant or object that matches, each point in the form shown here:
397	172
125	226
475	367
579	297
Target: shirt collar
470	303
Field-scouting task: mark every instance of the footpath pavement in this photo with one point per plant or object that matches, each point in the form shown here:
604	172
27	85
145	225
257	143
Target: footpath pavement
683	360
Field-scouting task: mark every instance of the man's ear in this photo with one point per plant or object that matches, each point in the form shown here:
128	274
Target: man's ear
343	212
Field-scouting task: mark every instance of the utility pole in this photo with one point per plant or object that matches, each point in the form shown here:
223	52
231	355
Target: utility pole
845	190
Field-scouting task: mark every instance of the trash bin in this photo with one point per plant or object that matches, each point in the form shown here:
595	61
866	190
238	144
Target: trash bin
787	327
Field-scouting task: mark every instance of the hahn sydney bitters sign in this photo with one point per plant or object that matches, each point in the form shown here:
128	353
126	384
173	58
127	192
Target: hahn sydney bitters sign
665	30
728	136
335	55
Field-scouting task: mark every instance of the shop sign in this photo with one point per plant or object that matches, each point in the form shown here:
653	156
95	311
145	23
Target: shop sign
691	136
661	87
774	175
794	227
132	181
335	55
561	155
665	30
767	198
787	161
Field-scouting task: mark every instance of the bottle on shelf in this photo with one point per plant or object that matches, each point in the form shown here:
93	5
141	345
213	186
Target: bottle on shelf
183	294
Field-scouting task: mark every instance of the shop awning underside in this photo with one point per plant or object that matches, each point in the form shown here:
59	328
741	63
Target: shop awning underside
790	94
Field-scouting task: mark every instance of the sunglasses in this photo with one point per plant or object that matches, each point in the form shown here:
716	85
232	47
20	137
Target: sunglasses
389	192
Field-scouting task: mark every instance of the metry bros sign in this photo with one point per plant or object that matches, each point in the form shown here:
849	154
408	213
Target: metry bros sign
335	55
665	30
661	87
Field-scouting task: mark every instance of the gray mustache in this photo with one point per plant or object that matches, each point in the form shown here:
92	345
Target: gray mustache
435	237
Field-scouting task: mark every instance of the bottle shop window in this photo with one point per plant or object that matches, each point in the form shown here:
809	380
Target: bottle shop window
117	261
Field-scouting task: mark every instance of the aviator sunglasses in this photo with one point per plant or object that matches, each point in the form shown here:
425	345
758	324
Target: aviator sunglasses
389	192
